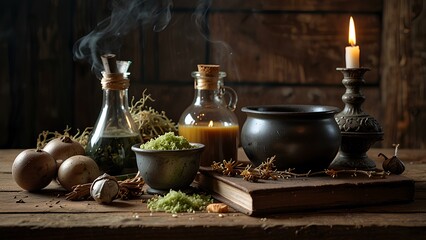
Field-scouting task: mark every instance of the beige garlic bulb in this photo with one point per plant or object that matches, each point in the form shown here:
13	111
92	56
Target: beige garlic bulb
104	189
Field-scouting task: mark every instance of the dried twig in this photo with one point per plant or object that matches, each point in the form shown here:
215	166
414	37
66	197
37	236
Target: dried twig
131	188
79	192
267	171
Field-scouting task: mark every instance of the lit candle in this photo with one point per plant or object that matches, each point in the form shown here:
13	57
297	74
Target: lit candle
352	51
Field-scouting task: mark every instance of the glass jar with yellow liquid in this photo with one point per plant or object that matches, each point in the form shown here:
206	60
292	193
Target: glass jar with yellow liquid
210	119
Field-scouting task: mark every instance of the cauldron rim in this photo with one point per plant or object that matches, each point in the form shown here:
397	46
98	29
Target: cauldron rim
290	110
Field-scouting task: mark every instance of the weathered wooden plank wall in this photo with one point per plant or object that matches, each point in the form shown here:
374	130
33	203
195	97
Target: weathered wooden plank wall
275	52
404	72
38	85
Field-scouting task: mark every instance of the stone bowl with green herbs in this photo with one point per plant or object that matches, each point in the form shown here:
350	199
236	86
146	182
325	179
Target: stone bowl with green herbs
168	162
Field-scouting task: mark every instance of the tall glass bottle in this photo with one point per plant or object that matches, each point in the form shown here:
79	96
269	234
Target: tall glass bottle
115	131
210	119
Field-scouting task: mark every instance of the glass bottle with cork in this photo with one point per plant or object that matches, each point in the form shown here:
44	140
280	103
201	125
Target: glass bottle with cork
210	119
115	131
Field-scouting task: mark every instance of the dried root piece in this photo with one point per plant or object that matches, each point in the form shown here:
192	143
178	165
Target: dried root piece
79	192
131	188
217	208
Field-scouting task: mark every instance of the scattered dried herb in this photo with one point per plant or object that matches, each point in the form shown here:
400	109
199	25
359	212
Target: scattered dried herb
267	171
150	122
81	137
229	168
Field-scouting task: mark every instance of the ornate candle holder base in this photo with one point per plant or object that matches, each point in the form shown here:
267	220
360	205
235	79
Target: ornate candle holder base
359	130
353	151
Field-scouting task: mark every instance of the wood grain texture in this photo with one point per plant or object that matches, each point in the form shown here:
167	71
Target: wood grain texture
404	68
49	214
288	49
20	114
180	48
292	48
289	5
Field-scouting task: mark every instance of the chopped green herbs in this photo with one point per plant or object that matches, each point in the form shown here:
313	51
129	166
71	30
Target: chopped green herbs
177	201
167	141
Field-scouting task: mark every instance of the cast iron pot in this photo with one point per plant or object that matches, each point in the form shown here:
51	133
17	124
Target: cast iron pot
303	137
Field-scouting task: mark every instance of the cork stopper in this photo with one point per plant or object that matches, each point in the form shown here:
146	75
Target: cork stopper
208	70
207	77
110	63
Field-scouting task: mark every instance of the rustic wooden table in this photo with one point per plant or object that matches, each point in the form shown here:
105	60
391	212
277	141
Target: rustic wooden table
47	214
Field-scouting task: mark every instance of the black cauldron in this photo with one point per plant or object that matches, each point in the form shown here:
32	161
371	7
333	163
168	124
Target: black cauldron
302	137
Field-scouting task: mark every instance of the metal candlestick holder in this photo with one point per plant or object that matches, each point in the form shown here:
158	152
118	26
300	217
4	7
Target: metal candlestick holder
359	130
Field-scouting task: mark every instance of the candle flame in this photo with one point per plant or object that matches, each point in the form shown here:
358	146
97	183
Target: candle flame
210	124
352	36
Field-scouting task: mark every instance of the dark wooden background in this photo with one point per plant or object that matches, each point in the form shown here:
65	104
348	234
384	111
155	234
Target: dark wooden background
274	52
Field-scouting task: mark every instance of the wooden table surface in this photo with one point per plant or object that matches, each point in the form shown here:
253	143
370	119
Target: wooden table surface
25	215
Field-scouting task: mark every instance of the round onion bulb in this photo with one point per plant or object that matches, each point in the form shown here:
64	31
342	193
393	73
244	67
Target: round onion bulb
33	169
77	170
63	148
104	189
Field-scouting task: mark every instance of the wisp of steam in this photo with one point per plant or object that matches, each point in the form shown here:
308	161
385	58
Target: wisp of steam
222	53
126	15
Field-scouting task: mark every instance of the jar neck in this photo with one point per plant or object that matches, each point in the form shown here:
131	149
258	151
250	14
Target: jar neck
116	98
208	89
210	93
115	90
208	82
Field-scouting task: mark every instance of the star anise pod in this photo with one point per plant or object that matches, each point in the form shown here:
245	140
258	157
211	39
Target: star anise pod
268	174
268	164
229	167
249	175
216	166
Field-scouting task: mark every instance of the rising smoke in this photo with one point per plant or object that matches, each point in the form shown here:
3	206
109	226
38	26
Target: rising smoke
126	15
220	51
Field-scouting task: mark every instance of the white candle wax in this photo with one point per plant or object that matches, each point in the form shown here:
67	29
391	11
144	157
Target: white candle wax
352	56
352	52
